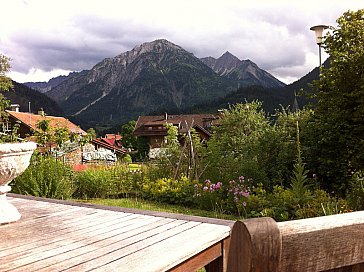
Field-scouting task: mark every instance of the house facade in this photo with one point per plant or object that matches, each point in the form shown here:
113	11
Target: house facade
154	127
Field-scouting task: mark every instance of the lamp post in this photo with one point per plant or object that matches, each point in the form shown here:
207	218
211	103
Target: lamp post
319	29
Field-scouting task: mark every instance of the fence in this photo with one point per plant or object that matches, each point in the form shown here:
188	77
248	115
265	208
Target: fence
331	243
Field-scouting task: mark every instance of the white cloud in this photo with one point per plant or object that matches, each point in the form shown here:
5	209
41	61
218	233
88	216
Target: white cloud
51	36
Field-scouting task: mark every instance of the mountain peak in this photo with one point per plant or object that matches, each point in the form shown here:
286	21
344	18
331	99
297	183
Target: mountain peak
228	61
245	72
229	56
157	46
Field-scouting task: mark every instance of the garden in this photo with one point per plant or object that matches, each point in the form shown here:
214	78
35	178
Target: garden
286	165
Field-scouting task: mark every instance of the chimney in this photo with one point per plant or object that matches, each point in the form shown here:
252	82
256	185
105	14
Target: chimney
165	116
41	112
14	107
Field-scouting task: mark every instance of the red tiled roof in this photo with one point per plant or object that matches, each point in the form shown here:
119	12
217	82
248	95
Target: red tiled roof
31	120
109	141
116	137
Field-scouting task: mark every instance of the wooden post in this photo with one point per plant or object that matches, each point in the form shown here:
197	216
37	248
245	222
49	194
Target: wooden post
255	245
330	243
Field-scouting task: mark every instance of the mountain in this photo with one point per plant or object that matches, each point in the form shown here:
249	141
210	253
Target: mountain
243	72
44	87
22	95
272	98
154	75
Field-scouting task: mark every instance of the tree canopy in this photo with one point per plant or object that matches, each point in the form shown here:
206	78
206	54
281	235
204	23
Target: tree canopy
337	130
5	82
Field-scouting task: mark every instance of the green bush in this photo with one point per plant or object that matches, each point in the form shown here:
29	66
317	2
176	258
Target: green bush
356	194
126	181
224	197
281	204
94	183
104	182
127	159
169	191
45	177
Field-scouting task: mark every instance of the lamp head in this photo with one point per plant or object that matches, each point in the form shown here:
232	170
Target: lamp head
319	29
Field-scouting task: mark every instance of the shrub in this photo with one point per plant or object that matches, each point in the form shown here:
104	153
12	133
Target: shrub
108	181
356	195
281	204
169	190
223	197
94	183
127	159
45	177
126	181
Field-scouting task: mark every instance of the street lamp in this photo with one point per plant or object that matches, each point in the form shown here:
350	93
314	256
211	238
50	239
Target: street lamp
319	29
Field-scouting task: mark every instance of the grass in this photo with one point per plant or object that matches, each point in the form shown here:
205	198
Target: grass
160	207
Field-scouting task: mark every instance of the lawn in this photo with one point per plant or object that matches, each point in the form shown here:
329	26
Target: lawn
160	207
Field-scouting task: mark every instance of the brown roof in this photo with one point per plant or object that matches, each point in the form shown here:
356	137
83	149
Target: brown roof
31	120
116	149
192	120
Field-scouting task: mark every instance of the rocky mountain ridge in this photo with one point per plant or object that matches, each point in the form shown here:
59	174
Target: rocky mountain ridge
43	86
153	76
245	72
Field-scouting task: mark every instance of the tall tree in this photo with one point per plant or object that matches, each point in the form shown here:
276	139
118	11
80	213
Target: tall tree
5	84
337	131
128	139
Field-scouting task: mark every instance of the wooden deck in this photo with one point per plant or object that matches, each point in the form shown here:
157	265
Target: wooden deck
64	236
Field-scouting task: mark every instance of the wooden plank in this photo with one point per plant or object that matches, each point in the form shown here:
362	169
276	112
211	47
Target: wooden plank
53	236
323	243
72	244
351	268
315	244
74	257
35	213
72	236
30	235
216	221
62	217
174	249
201	259
225	252
104	247
134	243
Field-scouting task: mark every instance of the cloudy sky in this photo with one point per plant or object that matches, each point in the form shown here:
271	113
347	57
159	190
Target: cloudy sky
46	38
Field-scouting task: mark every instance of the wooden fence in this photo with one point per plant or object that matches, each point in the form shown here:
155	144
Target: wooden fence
331	243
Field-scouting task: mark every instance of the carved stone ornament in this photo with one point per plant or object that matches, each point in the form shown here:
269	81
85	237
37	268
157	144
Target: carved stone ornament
14	159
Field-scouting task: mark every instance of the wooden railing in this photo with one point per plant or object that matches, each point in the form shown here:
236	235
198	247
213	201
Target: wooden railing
330	243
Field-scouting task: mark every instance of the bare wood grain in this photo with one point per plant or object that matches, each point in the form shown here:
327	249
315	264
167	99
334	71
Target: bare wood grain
323	243
216	221
72	241
59	258
255	246
166	253
56	235
130	246
43	232
202	259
